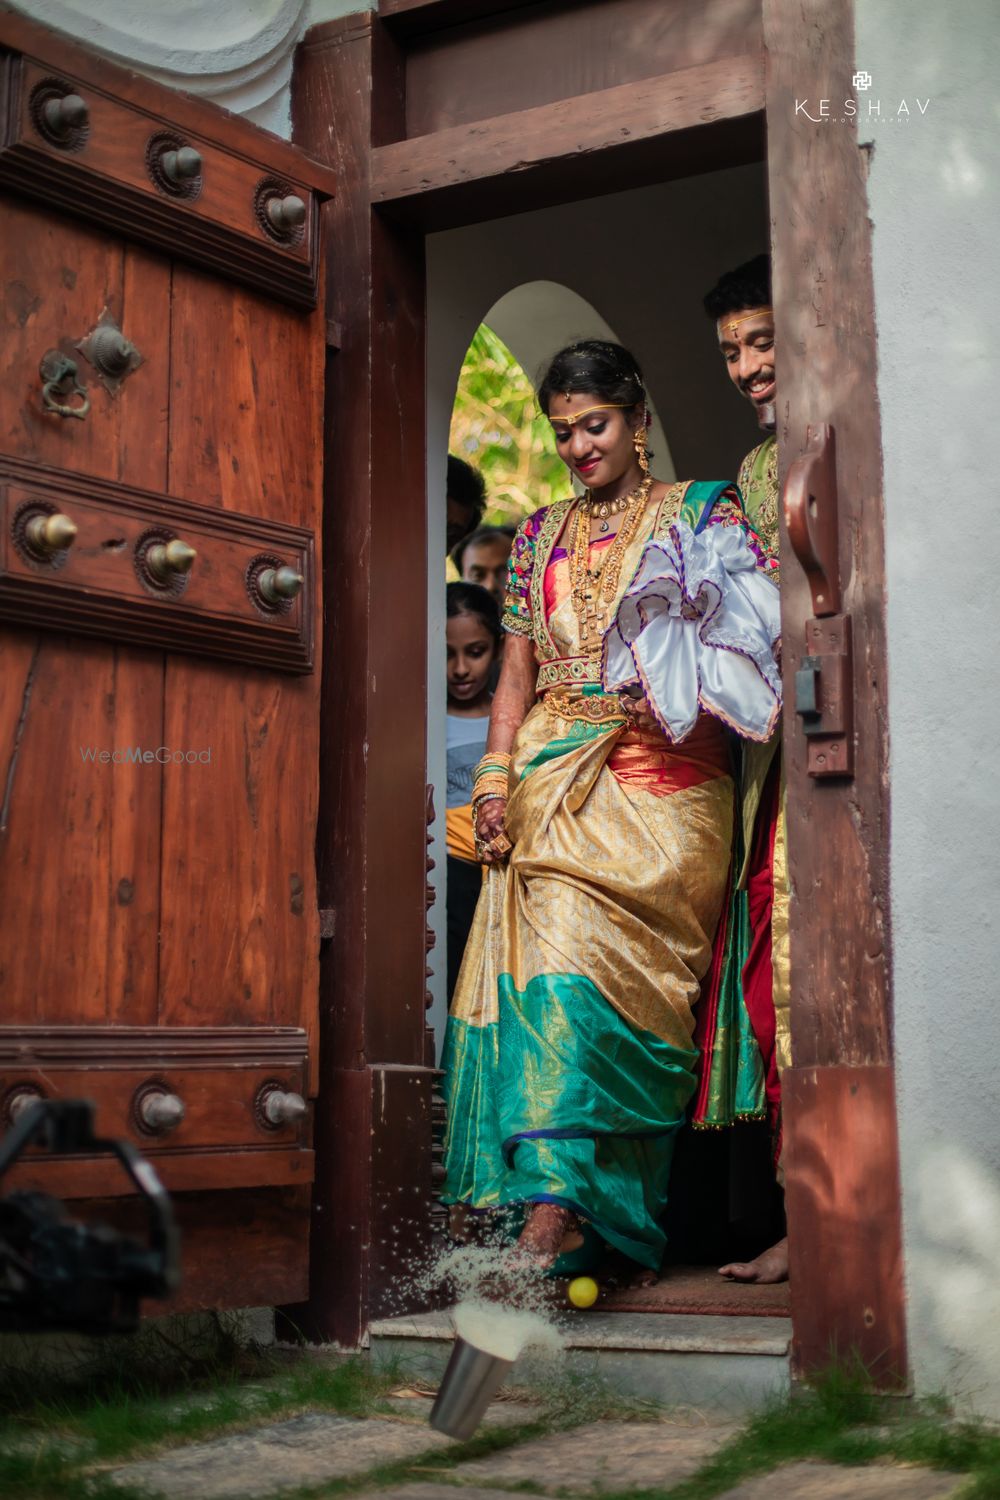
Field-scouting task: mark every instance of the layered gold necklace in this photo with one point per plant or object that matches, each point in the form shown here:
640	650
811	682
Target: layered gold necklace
593	589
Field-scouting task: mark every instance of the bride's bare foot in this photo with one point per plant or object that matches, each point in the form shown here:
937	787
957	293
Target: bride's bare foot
769	1267
644	1277
549	1231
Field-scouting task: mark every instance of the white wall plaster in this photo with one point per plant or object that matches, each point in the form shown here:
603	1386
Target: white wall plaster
933	204
634	265
237	53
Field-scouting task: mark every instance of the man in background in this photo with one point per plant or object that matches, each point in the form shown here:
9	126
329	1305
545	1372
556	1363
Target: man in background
466	501
482	558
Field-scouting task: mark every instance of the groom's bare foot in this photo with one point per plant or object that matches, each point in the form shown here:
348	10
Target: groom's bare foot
768	1268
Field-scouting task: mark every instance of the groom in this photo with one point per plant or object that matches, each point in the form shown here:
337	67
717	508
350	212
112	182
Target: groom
740	306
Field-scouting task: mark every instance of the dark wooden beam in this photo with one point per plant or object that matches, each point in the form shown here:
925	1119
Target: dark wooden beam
657	128
845	1241
842	1166
684	153
371	848
408	18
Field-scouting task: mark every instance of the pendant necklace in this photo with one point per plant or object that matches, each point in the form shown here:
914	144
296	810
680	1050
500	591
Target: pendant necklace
602	510
594	588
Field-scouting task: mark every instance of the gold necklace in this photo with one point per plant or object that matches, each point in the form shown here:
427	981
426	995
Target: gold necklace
602	509
594	588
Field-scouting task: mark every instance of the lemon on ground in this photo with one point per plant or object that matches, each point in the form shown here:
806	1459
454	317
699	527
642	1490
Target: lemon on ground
583	1291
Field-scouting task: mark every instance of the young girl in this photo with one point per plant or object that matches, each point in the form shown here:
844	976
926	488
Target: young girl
473	636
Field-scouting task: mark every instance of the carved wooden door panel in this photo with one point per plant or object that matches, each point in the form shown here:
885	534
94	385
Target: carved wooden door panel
161	386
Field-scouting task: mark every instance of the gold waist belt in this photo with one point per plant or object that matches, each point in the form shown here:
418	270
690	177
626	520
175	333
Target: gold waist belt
568	671
592	708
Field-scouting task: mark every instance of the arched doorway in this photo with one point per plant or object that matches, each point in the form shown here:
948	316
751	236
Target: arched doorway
533	319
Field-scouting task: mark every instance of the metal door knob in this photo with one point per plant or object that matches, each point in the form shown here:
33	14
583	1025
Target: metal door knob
49	535
278	584
65	114
286	213
166	559
159	1111
20	1100
280	1108
181	166
109	350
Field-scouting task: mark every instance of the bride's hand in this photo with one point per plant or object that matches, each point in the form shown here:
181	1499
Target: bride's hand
638	712
490	831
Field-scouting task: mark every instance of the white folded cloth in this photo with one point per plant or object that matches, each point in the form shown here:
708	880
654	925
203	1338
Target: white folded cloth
698	628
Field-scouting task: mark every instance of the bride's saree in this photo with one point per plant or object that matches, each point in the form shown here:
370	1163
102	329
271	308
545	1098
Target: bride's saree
569	1056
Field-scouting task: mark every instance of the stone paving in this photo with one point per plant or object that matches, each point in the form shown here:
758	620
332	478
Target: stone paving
835	1482
309	1449
316	1448
606	1455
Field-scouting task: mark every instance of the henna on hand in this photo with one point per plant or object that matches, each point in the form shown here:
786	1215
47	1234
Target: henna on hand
489	823
638	712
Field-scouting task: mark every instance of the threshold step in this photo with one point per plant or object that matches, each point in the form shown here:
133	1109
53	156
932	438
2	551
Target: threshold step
727	1364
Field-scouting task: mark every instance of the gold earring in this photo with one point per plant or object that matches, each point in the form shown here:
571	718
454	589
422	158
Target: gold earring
639	440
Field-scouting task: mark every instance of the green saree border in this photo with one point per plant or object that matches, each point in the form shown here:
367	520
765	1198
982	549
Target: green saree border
562	1101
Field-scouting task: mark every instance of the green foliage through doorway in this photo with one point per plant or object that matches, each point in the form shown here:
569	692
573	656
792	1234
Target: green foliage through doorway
497	427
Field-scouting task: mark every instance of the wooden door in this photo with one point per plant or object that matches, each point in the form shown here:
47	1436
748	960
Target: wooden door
161	389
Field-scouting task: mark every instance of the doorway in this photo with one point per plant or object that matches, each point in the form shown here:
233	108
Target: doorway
618	96
539	280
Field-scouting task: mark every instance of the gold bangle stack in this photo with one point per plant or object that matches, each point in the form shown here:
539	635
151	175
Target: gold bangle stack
493	760
491	777
490	783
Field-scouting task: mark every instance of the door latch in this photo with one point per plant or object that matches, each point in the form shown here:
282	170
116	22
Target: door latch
824	681
824	696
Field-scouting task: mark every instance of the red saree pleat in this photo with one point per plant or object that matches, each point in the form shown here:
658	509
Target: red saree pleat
757	971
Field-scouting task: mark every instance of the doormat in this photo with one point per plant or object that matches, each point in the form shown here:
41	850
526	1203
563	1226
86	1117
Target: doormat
700	1289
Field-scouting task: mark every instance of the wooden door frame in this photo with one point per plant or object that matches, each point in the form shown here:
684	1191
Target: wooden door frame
840	1125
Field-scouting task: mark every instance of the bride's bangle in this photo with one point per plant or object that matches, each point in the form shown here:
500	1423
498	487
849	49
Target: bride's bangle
491	785
478	801
498	760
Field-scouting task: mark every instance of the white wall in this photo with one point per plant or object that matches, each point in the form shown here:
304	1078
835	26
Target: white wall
933	204
642	260
237	53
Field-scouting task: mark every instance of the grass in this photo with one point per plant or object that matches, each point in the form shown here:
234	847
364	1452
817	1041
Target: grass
57	1440
145	1393
142	1393
841	1421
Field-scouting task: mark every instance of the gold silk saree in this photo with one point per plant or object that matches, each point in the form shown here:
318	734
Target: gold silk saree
569	1058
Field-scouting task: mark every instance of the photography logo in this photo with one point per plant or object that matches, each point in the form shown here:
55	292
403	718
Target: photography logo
873	111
